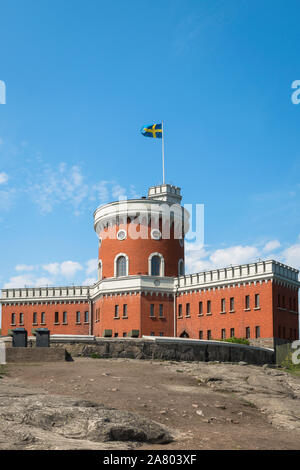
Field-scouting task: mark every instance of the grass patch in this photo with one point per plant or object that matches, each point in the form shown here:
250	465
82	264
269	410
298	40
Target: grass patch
2	370
288	366
95	356
237	340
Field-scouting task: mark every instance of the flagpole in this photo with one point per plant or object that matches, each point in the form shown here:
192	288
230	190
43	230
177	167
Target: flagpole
163	150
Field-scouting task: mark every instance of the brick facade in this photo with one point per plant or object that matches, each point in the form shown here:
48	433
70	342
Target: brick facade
258	300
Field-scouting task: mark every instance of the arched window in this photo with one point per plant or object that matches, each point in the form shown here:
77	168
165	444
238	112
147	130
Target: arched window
155	266
99	270
121	266
181	267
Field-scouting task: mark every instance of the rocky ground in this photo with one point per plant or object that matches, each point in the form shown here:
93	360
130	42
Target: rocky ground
123	403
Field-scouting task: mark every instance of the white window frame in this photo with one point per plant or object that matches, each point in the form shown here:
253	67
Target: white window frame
162	264
115	264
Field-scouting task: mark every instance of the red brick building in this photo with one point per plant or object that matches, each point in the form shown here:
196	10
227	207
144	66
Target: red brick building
142	289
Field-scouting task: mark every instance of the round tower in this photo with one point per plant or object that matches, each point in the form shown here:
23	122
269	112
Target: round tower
142	236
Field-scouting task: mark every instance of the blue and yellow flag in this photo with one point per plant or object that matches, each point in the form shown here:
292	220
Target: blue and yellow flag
154	130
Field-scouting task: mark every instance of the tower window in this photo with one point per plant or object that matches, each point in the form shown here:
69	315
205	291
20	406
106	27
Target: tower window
247	302
256	300
77	317
155	266
121	266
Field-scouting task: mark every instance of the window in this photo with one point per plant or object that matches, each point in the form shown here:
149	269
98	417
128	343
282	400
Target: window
200	334
34	318
151	310
86	317
125	310
155	266
187	310
116	311
257	332
116	335
231	332
180	310
223	333
208	306
208	334
161	310
161	333
200	308
43	318
223	308
56	317
181	268
152	333
248	332
21	318
124	334
121	266
121	235
256	300
247	302
65	319
13	318
232	304
100	270
77	317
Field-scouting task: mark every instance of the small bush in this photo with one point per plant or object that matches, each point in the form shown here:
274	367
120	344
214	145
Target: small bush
237	340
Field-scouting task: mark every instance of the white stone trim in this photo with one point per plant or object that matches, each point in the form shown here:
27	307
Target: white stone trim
162	264
115	264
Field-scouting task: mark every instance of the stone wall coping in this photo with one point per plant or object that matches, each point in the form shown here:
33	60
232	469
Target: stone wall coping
165	339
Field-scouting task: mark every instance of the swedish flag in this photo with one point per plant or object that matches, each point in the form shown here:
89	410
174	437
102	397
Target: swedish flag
154	130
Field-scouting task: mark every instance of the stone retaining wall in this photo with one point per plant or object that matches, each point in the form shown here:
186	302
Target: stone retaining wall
167	349
32	355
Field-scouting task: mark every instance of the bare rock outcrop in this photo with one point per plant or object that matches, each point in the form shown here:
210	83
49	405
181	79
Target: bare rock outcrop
36	420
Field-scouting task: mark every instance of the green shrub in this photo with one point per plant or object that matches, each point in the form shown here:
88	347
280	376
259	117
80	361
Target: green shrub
237	340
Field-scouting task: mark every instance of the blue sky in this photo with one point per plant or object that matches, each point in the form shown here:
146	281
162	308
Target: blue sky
81	80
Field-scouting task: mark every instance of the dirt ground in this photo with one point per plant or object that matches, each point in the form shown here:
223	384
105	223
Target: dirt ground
200	416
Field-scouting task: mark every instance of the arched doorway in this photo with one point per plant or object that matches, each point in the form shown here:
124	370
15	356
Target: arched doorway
184	334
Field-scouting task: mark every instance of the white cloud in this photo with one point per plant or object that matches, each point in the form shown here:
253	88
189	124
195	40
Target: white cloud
65	269
271	245
69	268
3	177
89	281
26	281
91	266
24	267
291	256
52	268
200	259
